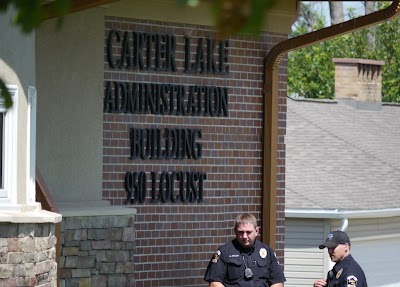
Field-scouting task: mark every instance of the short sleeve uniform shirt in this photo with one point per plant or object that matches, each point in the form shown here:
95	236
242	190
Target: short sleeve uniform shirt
347	273
229	262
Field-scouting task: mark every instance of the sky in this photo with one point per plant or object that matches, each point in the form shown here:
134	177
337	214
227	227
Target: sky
323	6
357	5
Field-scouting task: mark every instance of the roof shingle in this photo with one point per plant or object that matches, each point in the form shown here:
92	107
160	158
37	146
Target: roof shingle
339	157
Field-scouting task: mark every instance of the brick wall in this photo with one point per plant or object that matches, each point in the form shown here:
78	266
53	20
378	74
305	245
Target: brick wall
358	79
175	241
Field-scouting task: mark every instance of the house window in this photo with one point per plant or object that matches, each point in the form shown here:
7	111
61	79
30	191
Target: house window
8	149
1	149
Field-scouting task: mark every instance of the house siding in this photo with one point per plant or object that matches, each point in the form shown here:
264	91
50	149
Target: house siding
375	244
304	262
376	247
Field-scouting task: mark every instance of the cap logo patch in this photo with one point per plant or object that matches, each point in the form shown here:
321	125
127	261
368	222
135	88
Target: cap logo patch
263	252
216	256
352	281
330	236
339	273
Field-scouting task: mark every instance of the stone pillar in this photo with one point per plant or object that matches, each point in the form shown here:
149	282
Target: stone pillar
28	254
359	82
97	245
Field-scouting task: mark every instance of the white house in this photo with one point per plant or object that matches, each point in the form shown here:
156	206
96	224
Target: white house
343	172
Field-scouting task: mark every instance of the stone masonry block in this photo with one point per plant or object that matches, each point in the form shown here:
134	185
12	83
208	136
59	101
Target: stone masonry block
47	230
71	262
44	267
114	234
42	256
71	243
117	245
6	270
62	261
80	234
107	268
85	282
100	256
30	229
28	258
97	234
83	253
81	282
128	234
15	257
8	230
12	244
97	222
70	251
99	281
43	278
69	235
12	282
43	244
130	246
116	256
86	262
3	243
117	280
104	244
24	270
26	281
125	267
77	273
85	245
26	244
65	273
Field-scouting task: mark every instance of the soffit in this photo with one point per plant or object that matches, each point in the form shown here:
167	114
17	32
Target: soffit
279	19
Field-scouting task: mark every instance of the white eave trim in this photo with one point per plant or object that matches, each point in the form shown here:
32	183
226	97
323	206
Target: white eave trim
338	214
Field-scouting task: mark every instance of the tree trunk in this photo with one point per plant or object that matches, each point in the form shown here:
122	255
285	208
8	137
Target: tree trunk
336	12
369	8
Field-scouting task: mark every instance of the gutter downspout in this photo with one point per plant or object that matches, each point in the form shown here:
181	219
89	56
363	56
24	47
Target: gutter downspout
344	224
271	91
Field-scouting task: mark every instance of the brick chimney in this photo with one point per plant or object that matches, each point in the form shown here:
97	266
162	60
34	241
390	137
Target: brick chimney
358	83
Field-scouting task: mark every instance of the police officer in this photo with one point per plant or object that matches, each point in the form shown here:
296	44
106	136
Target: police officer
346	272
244	261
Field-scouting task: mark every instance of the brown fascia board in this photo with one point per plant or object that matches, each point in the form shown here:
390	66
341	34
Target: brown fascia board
76	6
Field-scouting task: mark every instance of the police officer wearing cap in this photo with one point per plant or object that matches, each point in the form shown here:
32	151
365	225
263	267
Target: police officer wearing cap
244	261
346	272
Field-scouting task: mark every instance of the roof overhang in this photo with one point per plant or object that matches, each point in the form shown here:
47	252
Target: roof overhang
76	6
339	214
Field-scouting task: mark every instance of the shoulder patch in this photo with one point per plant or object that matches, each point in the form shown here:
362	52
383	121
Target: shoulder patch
352	281
277	261
216	256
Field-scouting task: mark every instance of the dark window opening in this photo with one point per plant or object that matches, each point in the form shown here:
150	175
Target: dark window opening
1	149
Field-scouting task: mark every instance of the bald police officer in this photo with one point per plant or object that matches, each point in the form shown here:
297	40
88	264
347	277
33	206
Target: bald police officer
346	272
245	261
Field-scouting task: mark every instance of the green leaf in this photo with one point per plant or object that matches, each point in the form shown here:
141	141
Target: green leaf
5	95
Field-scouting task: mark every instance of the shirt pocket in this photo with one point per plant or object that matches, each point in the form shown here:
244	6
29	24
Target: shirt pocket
234	268
262	268
334	282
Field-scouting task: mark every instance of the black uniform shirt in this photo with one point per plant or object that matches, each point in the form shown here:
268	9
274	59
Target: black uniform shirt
347	273
229	262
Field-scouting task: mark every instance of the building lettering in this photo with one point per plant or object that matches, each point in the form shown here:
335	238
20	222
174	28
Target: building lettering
129	51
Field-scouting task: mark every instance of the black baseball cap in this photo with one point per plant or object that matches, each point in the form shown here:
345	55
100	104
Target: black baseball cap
334	239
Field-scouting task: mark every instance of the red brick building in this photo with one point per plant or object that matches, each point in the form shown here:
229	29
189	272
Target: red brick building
150	138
